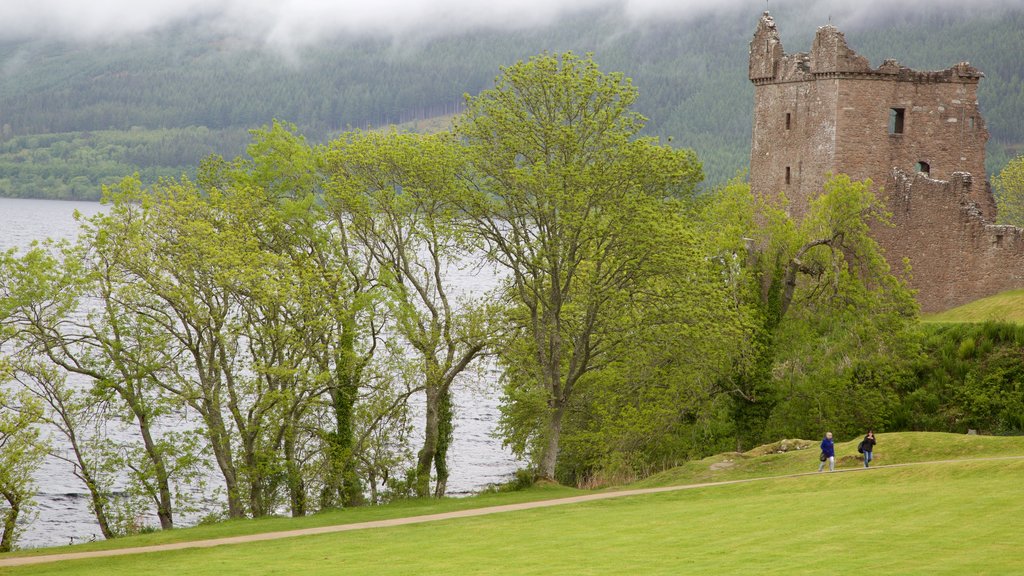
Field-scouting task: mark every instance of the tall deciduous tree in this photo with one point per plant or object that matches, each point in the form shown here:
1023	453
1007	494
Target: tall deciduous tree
166	244
66	312
399	191
22	449
566	198
650	406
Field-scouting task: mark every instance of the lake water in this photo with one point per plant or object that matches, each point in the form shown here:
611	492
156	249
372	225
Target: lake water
476	458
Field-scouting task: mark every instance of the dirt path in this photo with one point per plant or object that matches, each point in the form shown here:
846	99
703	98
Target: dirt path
26	560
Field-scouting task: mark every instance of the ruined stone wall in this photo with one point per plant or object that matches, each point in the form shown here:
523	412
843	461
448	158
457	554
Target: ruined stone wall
828	112
942	128
956	255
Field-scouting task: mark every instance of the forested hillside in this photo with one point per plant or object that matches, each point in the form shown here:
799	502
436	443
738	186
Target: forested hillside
74	116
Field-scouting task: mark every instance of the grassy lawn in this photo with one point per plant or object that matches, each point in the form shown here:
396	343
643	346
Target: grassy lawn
1004	307
944	518
244	527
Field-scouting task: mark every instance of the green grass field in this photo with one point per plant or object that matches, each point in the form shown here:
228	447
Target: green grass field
1004	307
964	516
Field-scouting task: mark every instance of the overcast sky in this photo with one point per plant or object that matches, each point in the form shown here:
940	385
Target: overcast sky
298	22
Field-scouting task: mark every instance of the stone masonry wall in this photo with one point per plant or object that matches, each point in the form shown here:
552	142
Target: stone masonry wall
957	256
828	112
942	128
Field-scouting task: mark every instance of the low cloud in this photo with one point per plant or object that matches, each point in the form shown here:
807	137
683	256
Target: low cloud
301	22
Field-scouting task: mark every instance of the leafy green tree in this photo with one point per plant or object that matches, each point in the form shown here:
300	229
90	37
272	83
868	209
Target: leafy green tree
653	405
166	243
315	329
1008	187
266	207
566	200
66	310
399	191
822	306
38	297
22	449
335	299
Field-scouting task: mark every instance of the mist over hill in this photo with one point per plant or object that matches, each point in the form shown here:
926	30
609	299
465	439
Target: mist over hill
81	107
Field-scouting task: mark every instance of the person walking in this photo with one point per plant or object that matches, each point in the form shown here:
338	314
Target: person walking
867	446
828	453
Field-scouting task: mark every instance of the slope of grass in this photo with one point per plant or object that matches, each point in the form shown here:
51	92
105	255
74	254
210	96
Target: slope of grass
937	518
796	456
1004	307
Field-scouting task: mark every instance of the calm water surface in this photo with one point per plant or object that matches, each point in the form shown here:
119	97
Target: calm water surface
475	460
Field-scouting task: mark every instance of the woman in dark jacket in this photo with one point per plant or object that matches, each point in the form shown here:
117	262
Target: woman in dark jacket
867	445
828	453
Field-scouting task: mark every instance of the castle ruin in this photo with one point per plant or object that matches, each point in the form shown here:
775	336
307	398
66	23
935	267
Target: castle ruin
919	137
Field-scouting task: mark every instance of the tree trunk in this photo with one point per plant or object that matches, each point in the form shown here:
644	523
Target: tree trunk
257	500
10	521
296	484
343	486
550	456
164	508
444	440
99	500
430	436
222	453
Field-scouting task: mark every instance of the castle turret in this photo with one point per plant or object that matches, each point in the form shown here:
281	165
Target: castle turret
830	54
765	50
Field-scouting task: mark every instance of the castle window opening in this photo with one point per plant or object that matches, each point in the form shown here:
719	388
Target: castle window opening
896	117
923	166
787	174
788	120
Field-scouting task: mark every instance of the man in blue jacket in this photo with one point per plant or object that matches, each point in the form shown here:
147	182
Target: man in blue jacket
828	453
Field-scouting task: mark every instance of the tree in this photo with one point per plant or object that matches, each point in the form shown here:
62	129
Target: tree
314	331
166	243
399	192
566	195
1008	187
22	448
335	297
38	297
653	404
818	296
67	313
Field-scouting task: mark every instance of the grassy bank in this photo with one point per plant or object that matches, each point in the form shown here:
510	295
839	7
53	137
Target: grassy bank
1004	307
940	518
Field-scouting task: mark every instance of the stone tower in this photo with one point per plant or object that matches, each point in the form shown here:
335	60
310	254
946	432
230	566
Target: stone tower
919	137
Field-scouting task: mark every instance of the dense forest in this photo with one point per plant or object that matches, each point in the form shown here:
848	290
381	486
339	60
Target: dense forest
74	116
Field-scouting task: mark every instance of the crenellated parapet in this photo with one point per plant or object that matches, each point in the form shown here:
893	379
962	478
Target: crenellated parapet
831	57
